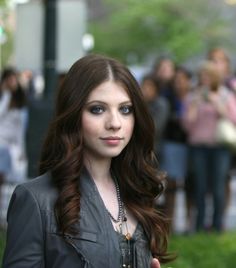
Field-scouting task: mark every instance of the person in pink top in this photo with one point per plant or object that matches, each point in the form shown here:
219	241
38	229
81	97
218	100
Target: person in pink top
209	102
223	62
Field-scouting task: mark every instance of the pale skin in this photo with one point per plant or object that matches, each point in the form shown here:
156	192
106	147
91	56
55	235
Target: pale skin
107	124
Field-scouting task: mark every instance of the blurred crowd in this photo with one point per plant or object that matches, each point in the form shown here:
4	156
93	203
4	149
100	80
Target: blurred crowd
186	107
14	95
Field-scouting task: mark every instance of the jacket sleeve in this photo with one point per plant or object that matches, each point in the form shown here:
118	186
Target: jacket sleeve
25	236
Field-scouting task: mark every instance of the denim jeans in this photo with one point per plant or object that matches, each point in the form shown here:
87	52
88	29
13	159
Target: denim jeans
210	167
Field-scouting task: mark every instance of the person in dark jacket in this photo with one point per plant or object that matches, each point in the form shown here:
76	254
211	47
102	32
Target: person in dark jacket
174	149
93	203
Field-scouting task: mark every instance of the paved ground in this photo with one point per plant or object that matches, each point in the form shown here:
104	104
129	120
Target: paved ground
230	218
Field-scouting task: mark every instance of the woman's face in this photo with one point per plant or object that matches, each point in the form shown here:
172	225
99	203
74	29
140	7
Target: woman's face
107	121
182	83
166	70
149	90
221	63
12	83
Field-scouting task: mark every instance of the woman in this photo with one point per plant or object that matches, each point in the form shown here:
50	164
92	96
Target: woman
93	205
12	130
158	107
174	148
12	123
210	102
223	62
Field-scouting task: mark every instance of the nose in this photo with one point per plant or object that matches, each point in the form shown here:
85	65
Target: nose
113	121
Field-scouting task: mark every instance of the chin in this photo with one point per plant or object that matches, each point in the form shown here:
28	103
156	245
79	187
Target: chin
113	154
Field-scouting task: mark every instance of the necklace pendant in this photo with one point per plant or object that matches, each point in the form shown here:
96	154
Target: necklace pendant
128	236
120	228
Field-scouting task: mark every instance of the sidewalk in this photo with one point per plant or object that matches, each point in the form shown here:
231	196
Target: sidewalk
230	219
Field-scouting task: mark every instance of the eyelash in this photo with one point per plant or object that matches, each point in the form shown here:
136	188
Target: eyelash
94	109
98	109
127	107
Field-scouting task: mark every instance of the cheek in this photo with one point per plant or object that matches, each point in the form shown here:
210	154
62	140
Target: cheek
130	127
88	127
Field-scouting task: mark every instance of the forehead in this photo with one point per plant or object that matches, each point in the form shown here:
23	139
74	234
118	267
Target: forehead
109	91
218	55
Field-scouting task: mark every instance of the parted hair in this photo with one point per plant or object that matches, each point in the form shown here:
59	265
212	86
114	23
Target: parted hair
222	54
135	168
208	68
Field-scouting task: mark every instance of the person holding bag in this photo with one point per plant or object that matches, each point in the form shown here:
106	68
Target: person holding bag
204	107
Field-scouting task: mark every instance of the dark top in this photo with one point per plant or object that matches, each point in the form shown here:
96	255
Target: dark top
137	247
33	239
174	130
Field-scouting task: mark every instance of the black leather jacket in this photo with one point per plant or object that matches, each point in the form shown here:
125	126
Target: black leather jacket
33	240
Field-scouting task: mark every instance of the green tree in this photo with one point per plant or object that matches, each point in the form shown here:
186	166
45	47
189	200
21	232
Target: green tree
141	28
6	37
3	3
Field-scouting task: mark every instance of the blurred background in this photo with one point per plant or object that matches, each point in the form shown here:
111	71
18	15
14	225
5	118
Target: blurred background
164	43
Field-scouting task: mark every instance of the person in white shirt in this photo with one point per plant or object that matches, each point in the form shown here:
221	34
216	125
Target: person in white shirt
12	125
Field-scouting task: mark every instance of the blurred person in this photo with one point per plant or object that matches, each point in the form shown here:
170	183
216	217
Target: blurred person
163	71
221	58
8	83
209	102
25	79
158	106
12	125
94	199
174	150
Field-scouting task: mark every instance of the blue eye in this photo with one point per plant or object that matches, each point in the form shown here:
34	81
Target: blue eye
96	109
126	109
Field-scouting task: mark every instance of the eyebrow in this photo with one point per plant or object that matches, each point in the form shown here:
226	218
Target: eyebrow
105	103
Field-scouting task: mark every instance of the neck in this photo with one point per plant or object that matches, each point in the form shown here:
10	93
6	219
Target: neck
98	169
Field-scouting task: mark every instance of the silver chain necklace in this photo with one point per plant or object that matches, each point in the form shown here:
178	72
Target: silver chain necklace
122	219
121	212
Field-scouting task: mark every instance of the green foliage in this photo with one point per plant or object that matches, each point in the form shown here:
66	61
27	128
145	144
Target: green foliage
6	35
3	2
7	48
2	244
141	28
204	251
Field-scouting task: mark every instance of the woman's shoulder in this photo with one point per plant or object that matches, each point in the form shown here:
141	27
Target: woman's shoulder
40	189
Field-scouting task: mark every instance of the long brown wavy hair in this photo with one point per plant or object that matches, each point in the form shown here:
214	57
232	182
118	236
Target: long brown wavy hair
135	168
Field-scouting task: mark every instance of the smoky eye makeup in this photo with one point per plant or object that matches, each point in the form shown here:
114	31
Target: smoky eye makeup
126	109
96	109
99	108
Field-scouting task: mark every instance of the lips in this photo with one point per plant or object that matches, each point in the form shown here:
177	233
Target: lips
112	140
